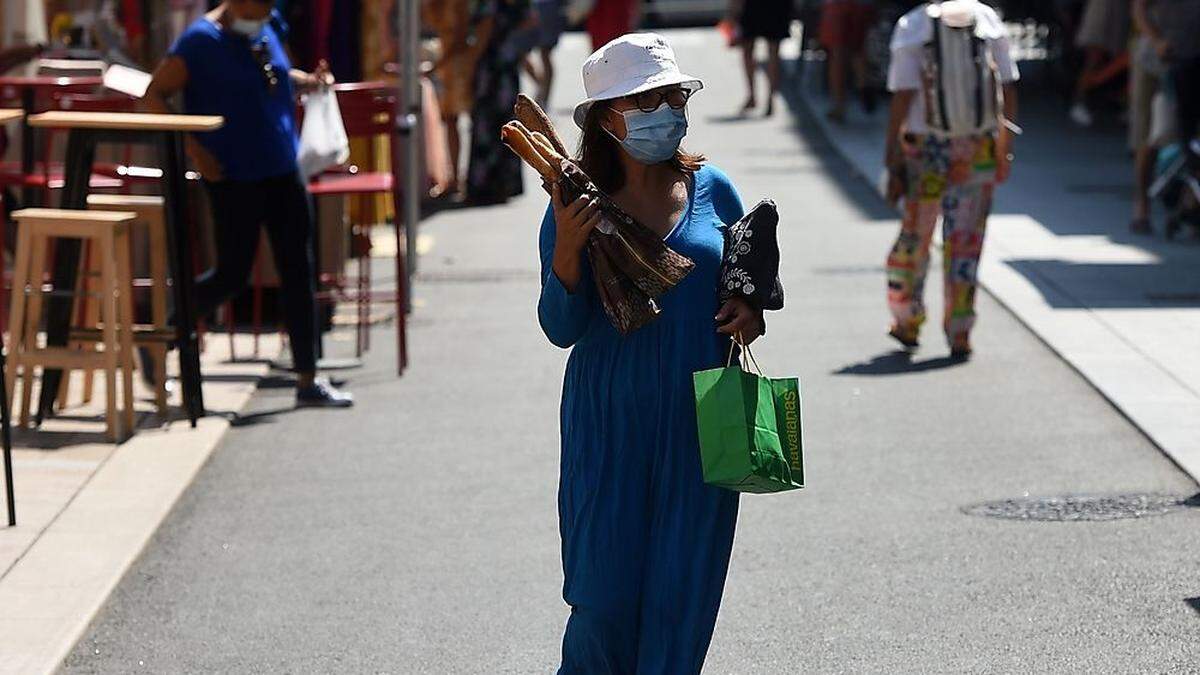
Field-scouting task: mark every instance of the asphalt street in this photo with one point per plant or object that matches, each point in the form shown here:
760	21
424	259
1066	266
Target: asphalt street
417	533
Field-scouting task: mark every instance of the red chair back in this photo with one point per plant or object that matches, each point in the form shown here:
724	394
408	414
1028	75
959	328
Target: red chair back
368	108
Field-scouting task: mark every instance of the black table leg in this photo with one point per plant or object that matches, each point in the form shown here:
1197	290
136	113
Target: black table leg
6	441
81	154
175	196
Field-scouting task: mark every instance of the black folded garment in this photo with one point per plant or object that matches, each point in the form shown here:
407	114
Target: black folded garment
750	268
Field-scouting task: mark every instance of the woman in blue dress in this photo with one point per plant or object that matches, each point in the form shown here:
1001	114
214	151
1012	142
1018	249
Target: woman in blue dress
645	542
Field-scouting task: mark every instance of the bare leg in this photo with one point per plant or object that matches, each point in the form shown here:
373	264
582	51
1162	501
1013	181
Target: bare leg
773	68
1093	60
547	75
454	145
749	65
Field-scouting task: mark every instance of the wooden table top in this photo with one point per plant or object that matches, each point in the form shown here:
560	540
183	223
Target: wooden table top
64	119
75	215
50	81
10	114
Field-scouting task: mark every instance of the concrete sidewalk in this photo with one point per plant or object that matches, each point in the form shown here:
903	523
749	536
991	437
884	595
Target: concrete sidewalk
1123	310
86	507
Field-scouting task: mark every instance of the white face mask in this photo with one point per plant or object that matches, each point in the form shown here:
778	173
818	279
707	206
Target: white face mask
247	27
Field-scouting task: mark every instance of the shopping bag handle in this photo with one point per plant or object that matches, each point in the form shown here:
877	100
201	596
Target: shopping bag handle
734	341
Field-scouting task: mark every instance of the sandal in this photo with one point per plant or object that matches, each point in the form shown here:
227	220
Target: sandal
960	349
905	336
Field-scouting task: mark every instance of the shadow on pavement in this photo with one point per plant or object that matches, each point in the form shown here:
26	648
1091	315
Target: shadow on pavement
1194	603
730	119
897	363
1062	282
843	175
260	416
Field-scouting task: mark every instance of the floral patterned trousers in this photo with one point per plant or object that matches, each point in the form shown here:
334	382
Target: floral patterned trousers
951	178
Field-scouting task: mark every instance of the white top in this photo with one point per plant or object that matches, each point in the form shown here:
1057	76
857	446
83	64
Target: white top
915	29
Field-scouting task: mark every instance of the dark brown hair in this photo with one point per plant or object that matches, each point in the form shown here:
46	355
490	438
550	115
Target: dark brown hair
599	157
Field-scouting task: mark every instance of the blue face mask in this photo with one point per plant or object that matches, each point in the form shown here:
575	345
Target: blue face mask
653	137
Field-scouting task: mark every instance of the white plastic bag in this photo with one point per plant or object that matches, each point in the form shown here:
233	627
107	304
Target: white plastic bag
323	141
1163	128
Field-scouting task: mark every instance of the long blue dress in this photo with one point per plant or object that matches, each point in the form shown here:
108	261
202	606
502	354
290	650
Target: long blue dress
645	543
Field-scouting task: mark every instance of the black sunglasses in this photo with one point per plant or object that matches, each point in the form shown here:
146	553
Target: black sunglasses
262	55
649	101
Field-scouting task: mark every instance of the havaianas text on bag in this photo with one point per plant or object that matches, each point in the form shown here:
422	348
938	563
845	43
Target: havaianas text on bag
791	409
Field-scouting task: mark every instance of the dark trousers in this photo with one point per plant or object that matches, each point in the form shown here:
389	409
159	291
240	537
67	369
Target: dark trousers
1185	77
239	208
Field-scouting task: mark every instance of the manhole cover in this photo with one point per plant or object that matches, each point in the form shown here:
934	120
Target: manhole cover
1082	507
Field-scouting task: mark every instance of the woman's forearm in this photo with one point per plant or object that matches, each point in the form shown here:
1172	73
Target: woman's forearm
1010	114
303	81
901	101
566	267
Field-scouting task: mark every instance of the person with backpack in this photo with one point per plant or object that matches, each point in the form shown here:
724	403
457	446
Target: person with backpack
948	145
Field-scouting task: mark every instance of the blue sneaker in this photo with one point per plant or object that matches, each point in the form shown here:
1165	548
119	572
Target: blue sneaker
322	394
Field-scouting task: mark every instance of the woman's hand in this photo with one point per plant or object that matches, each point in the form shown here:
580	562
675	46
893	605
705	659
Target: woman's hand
573	223
738	319
323	76
306	82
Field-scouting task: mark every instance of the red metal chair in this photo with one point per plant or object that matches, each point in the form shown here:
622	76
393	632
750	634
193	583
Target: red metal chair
47	174
368	111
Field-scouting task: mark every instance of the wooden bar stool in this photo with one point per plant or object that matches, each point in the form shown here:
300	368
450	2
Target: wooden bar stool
155	336
108	234
166	134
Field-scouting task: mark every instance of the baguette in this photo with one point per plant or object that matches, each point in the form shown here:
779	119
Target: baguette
517	138
532	116
544	146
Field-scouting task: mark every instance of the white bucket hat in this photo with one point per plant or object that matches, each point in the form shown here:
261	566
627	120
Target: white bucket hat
630	64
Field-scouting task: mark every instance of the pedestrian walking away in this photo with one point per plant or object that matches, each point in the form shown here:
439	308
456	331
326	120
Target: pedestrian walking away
542	41
231	63
455	70
645	542
948	144
1103	36
843	33
494	174
770	20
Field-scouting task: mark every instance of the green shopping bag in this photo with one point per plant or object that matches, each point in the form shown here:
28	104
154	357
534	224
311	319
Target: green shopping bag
750	430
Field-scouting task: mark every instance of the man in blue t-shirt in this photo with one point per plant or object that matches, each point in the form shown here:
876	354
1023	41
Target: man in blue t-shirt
231	63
